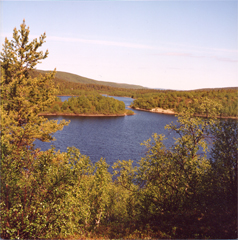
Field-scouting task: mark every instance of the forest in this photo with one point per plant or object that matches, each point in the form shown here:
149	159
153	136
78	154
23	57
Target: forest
177	101
175	192
89	103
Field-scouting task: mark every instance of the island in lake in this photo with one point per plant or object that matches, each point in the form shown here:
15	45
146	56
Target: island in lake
90	105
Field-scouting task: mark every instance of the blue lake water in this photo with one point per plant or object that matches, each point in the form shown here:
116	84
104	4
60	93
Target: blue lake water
113	138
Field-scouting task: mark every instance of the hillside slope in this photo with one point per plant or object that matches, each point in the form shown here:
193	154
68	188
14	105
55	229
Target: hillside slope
70	77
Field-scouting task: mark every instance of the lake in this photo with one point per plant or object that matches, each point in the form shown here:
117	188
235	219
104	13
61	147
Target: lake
113	138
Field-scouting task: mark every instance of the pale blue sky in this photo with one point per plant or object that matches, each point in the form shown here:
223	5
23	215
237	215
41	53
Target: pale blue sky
159	44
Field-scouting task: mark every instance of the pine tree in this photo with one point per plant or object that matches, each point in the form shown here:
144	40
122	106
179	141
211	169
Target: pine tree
23	97
30	179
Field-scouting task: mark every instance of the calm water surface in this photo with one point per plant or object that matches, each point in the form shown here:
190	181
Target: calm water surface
113	138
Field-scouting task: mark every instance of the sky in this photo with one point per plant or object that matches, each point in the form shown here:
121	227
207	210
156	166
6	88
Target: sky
181	45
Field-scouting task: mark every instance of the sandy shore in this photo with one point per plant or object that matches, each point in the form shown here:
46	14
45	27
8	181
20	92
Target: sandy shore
171	112
158	110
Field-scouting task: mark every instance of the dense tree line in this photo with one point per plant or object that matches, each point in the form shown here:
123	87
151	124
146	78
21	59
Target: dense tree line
176	192
88	103
177	101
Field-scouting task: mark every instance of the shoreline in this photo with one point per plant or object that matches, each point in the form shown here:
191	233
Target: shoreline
157	110
153	110
171	112
85	114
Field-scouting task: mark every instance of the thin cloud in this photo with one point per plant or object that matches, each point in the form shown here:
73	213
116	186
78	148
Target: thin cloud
88	41
144	46
191	55
101	42
199	48
223	59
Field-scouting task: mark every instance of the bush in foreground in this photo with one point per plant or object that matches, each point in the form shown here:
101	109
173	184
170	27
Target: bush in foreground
174	192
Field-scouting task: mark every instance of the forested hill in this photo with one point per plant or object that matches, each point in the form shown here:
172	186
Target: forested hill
68	87
70	77
148	98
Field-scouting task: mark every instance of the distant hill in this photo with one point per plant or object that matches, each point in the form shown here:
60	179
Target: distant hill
199	89
70	77
224	88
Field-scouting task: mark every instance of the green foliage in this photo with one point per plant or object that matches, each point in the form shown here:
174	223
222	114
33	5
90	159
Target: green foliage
56	193
177	189
92	103
177	172
19	56
22	98
224	158
31	194
178	101
174	192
